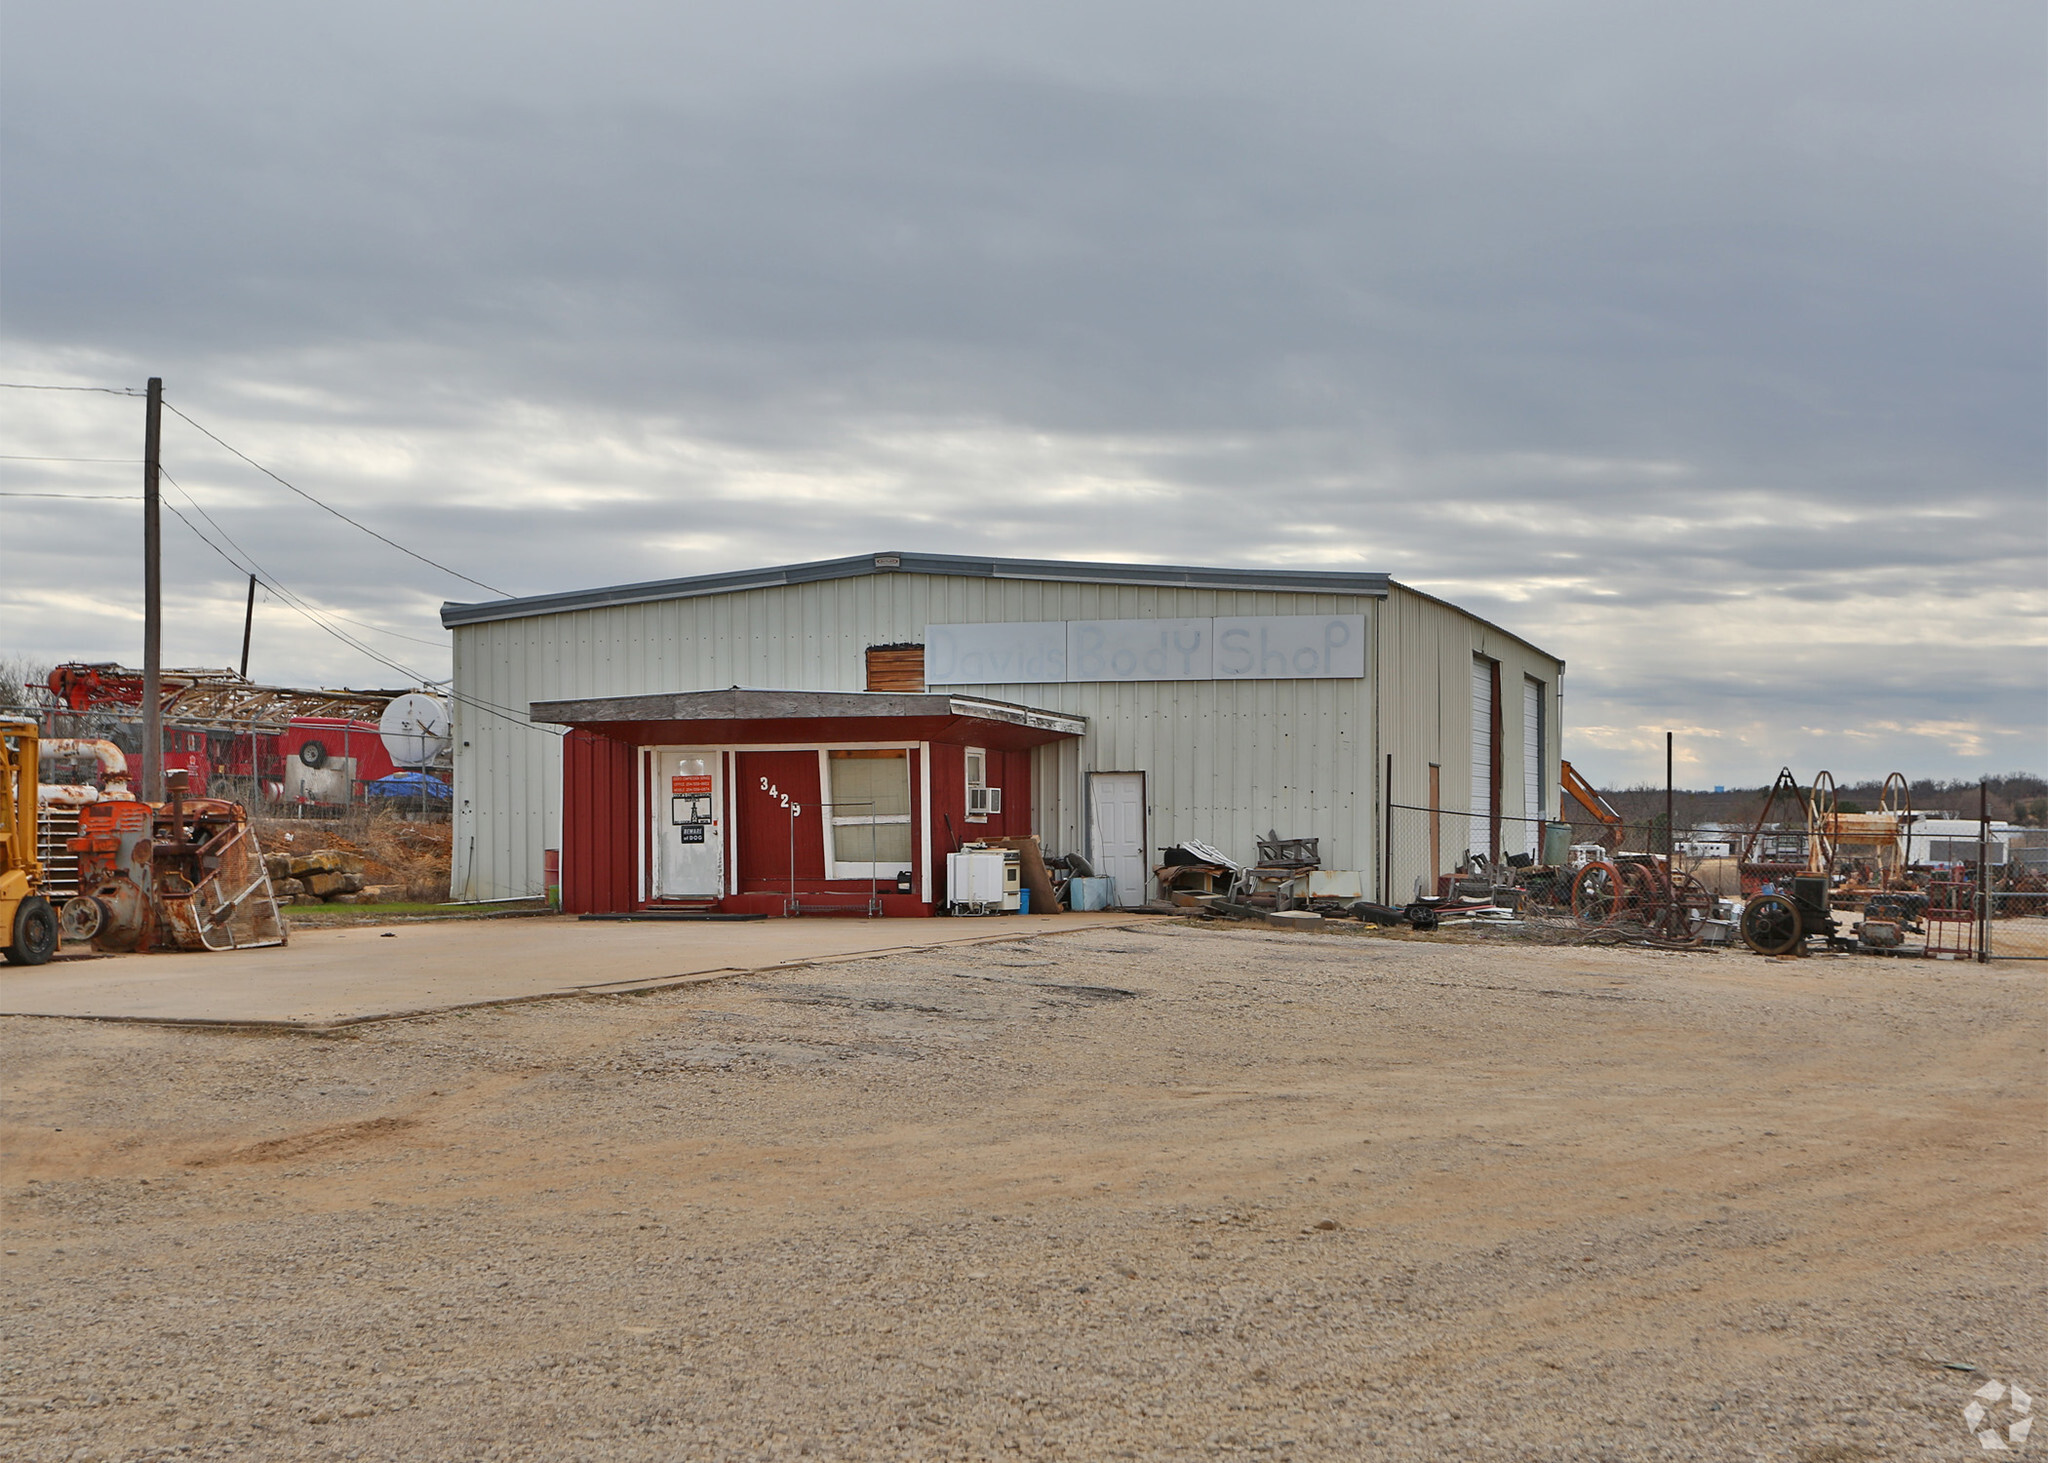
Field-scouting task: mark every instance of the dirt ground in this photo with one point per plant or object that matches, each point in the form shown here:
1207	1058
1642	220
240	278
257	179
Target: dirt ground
1156	1194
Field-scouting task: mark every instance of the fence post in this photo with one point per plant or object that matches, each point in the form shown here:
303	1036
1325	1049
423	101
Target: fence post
1983	874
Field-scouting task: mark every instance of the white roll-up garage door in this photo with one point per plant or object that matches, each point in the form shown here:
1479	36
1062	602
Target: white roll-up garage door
1532	763
1479	838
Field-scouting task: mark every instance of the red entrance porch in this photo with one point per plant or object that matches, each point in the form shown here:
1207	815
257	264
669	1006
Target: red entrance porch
786	802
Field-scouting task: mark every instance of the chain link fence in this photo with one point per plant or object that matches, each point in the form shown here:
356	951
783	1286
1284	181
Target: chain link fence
2016	924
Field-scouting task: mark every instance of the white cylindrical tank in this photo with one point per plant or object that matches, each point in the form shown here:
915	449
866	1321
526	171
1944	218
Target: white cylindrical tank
414	728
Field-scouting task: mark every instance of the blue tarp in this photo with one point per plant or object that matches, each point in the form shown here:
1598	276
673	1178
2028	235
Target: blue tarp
407	785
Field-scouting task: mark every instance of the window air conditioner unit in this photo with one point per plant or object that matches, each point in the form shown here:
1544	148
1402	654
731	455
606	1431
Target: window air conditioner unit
981	801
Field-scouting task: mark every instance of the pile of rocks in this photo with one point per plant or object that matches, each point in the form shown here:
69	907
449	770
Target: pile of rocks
324	876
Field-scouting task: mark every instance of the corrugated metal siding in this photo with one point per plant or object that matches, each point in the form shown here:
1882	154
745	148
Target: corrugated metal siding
1426	666
599	871
1227	760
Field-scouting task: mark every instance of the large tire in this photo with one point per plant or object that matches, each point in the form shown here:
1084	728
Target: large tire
314	755
35	932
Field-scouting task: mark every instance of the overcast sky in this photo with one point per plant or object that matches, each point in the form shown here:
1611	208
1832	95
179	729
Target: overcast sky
1702	345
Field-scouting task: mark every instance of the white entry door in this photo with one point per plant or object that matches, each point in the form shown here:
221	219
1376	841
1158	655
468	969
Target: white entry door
689	824
1116	831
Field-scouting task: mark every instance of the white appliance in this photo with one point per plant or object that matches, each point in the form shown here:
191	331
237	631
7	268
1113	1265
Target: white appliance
983	880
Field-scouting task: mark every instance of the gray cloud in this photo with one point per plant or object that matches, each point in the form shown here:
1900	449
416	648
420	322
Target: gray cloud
1705	349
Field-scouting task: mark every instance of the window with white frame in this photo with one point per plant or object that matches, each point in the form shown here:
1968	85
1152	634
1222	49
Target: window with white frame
869	789
981	798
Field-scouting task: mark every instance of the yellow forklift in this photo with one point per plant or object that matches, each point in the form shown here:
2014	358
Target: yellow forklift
27	923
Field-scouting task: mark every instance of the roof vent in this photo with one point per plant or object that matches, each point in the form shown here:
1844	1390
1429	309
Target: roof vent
888	561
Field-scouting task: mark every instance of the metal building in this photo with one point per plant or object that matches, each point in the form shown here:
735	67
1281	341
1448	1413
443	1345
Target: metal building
655	737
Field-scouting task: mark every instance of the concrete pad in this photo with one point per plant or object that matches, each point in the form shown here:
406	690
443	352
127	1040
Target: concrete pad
339	977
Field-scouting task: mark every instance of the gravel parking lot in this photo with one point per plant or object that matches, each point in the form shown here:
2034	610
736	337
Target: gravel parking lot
1163	1193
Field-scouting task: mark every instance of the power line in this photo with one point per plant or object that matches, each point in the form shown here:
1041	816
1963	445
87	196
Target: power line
293	602
17	457
286	596
336	511
394	634
38	386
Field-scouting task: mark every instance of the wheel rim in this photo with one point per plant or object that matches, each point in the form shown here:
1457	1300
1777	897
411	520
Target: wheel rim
1691	908
1596	894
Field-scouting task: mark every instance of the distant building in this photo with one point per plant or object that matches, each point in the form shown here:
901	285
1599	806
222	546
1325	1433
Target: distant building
1954	841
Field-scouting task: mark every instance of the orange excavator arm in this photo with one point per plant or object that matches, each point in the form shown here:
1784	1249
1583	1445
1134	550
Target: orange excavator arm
1581	792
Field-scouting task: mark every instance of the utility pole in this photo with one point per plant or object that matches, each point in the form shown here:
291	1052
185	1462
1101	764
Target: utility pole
248	624
152	601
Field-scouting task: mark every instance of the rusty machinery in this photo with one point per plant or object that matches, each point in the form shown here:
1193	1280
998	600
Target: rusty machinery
1642	889
28	926
1782	921
1588	798
207	698
185	874
1771	853
1788	878
1870	849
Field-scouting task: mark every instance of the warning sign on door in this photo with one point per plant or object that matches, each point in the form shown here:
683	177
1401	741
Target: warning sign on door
686	787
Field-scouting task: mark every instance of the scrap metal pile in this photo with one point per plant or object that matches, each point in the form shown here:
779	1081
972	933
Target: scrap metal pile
184	874
204	697
90	863
1808	871
1289	886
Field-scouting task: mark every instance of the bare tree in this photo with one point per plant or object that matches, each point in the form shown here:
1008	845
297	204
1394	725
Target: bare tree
22	679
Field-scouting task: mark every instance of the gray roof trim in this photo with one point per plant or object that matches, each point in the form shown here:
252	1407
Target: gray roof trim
741	704
1067	571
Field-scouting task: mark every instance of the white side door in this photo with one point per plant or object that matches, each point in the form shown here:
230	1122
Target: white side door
1116	831
689	826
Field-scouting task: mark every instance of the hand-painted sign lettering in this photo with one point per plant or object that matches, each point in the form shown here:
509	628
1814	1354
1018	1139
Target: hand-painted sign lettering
1226	648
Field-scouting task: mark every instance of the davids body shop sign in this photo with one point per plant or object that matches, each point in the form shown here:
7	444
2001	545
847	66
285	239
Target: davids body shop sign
1235	648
